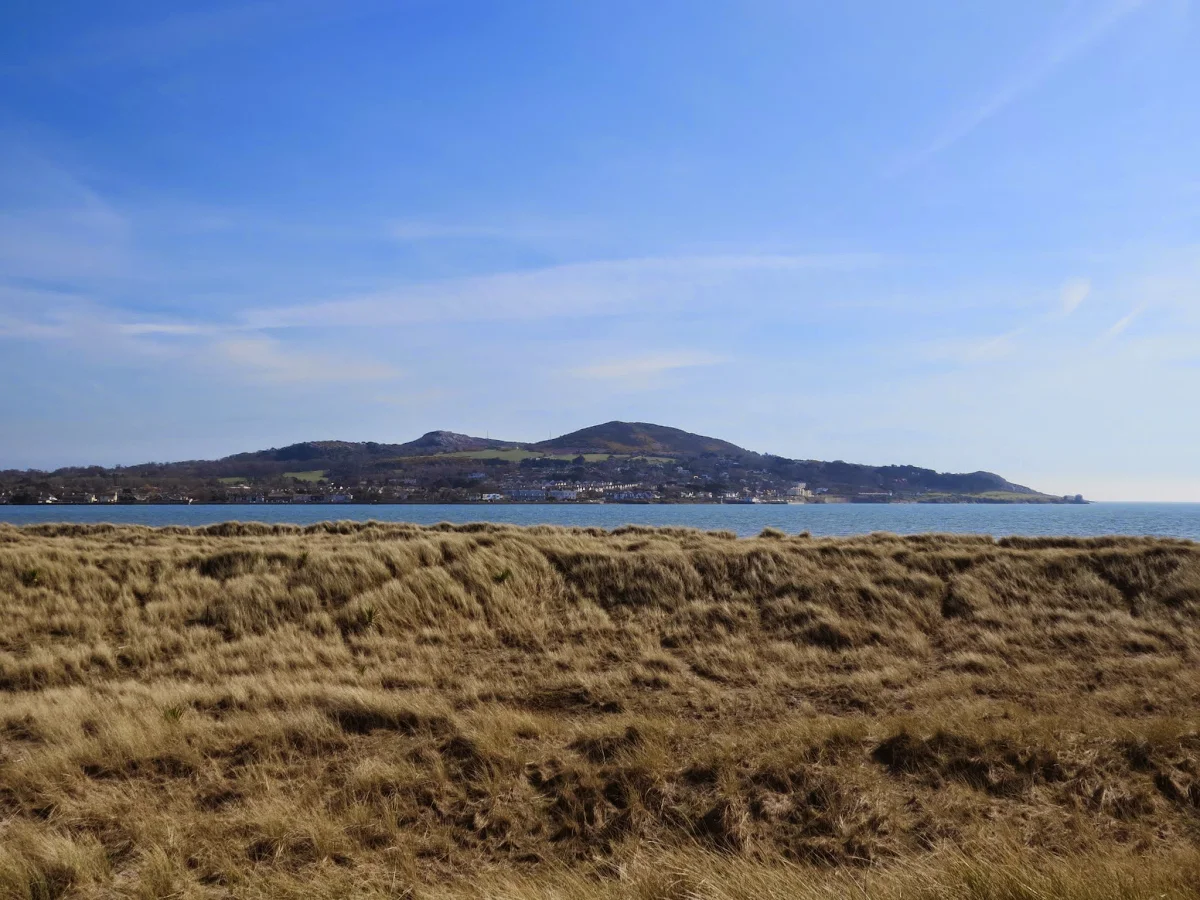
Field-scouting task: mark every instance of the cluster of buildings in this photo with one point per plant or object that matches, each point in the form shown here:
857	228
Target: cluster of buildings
232	494
641	493
87	498
444	478
621	494
550	492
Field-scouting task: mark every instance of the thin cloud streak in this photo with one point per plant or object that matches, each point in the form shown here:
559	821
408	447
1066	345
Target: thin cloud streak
572	290
95	332
974	351
647	366
1073	293
407	230
431	231
166	328
1064	50
274	364
53	225
1119	327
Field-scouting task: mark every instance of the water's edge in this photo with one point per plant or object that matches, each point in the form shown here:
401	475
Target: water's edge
1175	520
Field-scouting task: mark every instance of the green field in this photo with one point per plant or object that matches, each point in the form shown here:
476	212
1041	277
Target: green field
514	455
232	479
312	477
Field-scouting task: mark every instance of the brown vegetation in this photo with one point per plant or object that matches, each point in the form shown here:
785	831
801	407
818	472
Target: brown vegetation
386	710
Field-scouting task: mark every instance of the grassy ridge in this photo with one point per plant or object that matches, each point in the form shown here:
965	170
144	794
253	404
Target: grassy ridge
364	709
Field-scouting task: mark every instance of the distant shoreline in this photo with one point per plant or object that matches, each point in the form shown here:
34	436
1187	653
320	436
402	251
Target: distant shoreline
846	501
615	462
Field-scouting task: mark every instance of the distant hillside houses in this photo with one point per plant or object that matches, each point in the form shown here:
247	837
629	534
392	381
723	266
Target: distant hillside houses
628	496
614	462
527	494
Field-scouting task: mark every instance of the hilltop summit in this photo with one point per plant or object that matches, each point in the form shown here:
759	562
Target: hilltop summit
637	437
449	442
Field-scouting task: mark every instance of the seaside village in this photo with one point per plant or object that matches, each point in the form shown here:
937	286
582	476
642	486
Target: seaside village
550	492
487	481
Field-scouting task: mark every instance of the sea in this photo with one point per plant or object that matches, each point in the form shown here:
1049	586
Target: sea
1174	520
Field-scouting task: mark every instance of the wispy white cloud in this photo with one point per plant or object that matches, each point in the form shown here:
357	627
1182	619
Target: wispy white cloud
416	398
60	244
1076	37
179	329
94	332
417	230
974	350
647	366
1073	293
572	290
13	327
426	231
276	364
53	224
1118	327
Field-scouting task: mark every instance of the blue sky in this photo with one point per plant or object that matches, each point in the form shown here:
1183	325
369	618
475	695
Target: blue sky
965	236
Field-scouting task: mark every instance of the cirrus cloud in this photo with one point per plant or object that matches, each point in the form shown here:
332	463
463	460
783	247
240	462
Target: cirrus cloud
277	365
1073	293
642	367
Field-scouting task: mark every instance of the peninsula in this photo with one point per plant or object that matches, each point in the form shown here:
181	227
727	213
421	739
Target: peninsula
616	462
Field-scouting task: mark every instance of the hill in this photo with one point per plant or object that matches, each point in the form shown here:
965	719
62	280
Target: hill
847	477
637	437
434	442
444	466
315	451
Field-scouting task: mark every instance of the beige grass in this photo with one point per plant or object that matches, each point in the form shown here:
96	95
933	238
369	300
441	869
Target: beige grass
488	711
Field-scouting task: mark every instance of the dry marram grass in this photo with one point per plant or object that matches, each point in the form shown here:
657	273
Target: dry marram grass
468	711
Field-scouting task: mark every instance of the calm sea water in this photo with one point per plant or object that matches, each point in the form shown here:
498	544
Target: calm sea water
1180	520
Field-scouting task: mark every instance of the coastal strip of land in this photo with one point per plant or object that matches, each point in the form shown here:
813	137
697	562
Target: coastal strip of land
617	462
371	710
